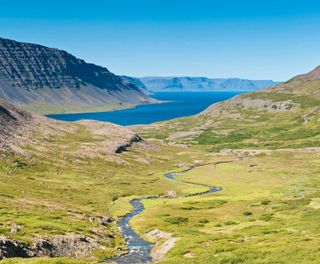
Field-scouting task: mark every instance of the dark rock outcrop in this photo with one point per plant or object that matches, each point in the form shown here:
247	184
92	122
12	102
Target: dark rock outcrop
10	248
69	245
65	246
105	220
124	146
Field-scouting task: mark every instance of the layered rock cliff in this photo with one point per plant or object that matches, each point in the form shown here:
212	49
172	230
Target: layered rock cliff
49	80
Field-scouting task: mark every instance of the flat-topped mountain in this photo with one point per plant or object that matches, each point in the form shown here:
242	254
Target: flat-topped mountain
49	80
185	84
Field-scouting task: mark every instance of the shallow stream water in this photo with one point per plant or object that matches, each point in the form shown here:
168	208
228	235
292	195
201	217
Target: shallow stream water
139	250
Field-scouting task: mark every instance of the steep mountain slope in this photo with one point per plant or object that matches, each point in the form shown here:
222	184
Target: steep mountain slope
19	128
137	83
13	122
168	84
282	116
49	80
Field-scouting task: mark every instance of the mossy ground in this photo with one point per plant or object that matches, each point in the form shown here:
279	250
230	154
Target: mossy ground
53	191
263	215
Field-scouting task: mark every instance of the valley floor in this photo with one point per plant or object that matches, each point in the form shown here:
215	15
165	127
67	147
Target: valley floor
268	211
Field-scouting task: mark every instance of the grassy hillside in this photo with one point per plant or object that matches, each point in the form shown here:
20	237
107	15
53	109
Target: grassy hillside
61	178
269	208
283	116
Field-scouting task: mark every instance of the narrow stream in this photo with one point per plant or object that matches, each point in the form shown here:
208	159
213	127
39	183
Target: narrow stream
139	251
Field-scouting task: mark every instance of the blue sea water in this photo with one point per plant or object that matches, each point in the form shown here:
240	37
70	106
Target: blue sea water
178	104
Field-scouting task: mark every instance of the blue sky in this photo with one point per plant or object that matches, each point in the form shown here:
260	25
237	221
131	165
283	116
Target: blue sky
271	39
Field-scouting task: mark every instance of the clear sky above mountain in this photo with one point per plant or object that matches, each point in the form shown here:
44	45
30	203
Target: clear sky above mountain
272	39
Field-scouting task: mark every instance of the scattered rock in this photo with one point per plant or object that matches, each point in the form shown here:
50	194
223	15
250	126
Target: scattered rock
105	220
315	203
69	245
189	255
264	104
170	194
91	219
123	147
160	249
14	230
183	164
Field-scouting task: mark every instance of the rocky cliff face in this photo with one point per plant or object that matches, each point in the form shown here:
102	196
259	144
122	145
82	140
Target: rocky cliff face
53	79
137	83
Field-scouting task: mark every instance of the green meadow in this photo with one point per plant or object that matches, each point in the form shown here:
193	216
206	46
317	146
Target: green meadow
268	212
51	190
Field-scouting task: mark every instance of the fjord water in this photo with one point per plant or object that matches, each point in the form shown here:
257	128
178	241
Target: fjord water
178	104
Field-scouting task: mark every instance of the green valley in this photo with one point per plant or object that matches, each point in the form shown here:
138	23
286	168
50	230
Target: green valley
235	183
78	178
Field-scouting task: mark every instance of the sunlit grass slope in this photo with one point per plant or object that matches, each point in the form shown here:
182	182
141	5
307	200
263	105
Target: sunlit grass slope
58	186
267	212
283	116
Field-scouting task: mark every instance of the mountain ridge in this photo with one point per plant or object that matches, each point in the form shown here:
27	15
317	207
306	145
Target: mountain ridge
185	83
31	75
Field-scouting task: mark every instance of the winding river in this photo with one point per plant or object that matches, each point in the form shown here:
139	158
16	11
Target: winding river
139	250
